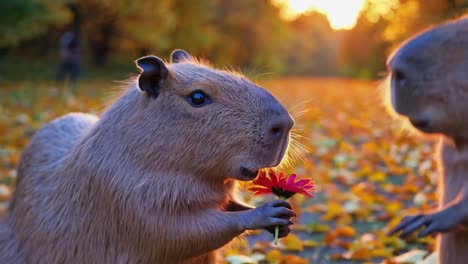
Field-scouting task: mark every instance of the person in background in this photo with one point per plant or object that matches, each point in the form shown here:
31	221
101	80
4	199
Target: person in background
69	65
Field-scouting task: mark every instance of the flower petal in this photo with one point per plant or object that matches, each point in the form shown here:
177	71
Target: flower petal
291	179
283	183
260	192
273	177
302	182
257	188
310	186
281	175
262	180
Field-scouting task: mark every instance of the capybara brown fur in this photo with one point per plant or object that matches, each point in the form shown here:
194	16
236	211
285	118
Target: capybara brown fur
429	87
151	180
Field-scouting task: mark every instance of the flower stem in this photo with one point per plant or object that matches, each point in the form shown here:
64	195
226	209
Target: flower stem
277	227
276	235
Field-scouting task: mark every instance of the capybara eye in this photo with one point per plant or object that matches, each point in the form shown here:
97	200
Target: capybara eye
198	98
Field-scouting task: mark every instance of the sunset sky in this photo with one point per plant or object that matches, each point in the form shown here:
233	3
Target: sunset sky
342	14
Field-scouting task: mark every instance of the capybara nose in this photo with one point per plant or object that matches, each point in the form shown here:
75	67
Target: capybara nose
280	125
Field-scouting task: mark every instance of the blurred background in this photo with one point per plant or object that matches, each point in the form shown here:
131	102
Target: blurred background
274	37
323	59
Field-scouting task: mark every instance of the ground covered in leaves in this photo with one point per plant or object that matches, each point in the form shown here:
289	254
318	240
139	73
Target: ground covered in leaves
369	171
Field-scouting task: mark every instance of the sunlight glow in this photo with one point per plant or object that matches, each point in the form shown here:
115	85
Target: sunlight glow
299	6
342	14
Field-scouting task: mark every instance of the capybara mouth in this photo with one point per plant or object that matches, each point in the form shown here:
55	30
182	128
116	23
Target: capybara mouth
248	173
420	123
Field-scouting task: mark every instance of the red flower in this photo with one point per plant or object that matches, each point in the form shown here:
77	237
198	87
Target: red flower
269	182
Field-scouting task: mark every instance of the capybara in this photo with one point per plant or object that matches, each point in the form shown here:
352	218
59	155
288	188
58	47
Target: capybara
151	180
429	87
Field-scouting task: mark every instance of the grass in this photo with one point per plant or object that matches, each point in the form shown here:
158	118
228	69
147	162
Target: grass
368	170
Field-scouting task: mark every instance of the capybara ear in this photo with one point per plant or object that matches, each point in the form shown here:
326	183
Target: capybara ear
153	70
179	55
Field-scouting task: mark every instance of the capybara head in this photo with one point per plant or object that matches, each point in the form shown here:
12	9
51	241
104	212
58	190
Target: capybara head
429	79
190	118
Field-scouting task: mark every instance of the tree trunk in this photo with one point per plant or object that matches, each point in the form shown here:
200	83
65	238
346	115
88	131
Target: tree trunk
102	45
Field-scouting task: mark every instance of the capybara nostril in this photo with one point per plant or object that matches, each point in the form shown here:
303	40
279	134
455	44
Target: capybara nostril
280	126
399	78
276	130
399	75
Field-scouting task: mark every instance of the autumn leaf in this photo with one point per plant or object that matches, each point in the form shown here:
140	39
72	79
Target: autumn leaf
292	242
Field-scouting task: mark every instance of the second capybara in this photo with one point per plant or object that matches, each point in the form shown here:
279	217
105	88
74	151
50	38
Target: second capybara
429	88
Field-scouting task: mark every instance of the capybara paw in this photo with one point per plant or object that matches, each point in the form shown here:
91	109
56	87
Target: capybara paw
438	222
271	214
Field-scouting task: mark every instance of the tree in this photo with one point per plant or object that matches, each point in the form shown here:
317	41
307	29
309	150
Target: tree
249	34
22	20
384	24
125	26
194	28
311	47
